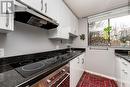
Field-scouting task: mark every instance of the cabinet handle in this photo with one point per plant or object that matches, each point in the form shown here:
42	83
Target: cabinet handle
45	7
123	84
41	5
124	63
48	81
125	71
7	18
82	60
78	60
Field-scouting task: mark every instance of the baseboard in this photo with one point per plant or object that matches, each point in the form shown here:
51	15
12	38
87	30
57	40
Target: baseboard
101	75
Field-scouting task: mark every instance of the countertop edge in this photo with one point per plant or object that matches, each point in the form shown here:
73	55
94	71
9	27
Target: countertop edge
119	55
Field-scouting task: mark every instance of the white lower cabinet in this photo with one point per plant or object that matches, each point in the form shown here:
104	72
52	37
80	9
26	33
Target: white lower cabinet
123	72
76	69
118	71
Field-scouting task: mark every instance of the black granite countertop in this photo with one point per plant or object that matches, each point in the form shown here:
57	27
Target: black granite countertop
9	77
123	54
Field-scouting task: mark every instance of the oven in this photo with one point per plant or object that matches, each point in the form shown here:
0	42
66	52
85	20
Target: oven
59	78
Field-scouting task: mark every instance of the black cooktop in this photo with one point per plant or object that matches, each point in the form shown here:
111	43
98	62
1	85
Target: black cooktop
35	67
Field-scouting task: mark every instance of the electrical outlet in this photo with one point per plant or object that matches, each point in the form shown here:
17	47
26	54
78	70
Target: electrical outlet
1	52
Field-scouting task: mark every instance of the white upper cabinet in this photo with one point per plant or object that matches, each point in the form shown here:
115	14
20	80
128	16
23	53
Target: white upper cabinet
51	8
47	7
73	23
36	4
68	23
6	21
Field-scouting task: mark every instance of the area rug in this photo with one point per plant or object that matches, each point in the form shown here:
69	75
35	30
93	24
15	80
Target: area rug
90	80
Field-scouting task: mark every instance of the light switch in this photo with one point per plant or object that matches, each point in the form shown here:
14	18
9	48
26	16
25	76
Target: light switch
1	52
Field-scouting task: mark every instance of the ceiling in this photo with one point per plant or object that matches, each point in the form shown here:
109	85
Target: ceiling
83	8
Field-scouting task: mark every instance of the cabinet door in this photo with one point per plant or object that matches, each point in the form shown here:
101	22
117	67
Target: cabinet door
6	22
52	8
76	26
74	72
124	78
62	14
128	76
82	64
36	4
125	73
118	71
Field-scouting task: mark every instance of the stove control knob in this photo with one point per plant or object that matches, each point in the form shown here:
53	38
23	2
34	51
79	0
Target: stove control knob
27	86
63	70
48	80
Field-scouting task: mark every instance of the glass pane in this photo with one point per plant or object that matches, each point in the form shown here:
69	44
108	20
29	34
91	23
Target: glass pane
120	34
97	35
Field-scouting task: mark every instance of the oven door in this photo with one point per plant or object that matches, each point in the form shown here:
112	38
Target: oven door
59	78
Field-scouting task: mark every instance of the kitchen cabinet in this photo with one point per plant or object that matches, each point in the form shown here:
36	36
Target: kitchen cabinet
57	10
62	31
74	24
118	71
42	6
76	69
6	22
68	23
36	4
59	33
123	72
128	82
52	8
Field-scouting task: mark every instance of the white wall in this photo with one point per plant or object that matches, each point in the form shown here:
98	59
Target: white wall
26	39
101	61
98	61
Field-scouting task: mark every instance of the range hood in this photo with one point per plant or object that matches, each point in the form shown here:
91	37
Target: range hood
28	15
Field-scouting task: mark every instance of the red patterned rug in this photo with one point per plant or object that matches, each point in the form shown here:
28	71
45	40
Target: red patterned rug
90	80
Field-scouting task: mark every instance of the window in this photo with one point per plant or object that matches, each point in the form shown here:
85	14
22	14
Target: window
120	34
110	28
96	33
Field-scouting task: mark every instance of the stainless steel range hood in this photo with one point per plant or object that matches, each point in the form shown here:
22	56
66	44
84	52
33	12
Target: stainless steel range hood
28	15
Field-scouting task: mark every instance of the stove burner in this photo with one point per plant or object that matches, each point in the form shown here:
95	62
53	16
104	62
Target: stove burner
32	67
